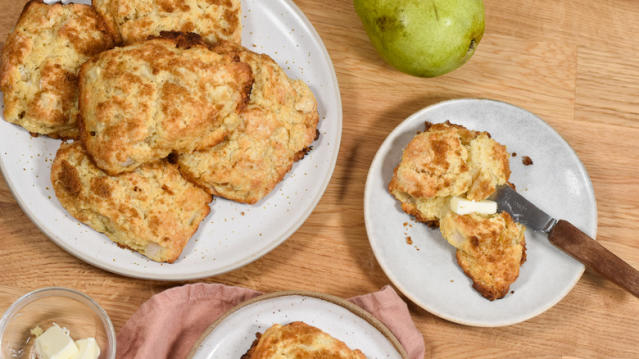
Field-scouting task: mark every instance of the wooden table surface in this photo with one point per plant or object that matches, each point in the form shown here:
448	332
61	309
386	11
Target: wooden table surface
573	63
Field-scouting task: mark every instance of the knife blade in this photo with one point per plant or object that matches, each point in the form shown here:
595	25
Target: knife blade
522	210
569	238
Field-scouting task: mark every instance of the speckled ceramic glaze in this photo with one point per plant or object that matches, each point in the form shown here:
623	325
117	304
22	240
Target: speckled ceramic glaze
232	335
233	234
426	271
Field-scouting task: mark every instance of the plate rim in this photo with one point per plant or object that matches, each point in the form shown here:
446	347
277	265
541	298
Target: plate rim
132	273
353	308
408	293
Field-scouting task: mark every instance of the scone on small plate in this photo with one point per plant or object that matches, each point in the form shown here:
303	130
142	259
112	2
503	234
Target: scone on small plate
448	161
136	20
141	102
299	340
152	210
40	63
490	249
444	161
277	127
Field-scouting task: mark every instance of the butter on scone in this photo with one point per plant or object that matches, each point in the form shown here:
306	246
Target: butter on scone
443	179
444	161
277	127
40	62
299	340
490	249
152	210
141	102
136	20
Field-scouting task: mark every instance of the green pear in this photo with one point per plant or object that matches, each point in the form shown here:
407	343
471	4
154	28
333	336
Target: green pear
423	37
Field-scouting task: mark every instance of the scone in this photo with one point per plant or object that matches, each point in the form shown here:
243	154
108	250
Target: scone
152	210
278	126
141	102
40	63
136	20
444	161
490	249
299	340
447	161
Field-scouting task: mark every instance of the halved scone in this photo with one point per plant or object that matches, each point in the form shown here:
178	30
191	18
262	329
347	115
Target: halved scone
490	249
447	160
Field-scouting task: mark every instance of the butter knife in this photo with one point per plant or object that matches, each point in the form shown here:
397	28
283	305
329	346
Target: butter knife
569	238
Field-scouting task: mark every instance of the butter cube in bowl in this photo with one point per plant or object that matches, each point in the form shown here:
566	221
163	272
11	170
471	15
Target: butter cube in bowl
56	323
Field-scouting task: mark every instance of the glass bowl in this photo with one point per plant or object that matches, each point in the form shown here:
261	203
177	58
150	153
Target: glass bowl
81	315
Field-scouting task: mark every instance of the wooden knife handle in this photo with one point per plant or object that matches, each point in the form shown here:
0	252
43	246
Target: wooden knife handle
589	252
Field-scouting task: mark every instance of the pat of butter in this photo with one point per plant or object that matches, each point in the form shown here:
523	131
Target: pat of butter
464	206
55	343
37	331
88	349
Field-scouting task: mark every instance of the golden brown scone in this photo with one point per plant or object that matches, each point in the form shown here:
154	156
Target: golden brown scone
141	102
447	160
299	340
278	126
490	249
40	63
136	20
152	210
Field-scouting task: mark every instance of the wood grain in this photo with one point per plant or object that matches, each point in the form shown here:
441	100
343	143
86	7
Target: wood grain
575	64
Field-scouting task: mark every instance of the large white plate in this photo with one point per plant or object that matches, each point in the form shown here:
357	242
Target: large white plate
427	271
233	234
232	335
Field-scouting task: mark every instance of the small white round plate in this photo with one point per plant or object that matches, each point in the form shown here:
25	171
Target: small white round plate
233	234
232	335
427	271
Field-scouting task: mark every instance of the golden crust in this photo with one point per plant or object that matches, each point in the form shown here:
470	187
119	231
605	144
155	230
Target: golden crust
490	249
278	126
152	210
40	63
136	20
141	102
447	160
299	340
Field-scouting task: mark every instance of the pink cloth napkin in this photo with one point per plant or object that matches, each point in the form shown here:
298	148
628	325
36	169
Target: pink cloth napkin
169	324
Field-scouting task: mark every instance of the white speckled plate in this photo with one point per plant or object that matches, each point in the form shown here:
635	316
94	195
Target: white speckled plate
232	335
427	271
233	234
